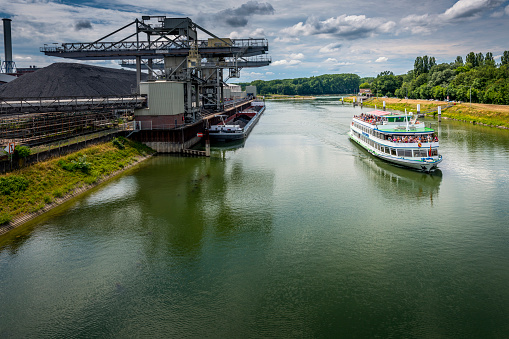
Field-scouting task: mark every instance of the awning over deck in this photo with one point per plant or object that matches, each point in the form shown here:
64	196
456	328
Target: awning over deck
379	113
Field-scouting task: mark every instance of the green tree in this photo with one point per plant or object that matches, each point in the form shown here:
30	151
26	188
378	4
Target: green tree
479	59
471	59
386	83
488	60
505	58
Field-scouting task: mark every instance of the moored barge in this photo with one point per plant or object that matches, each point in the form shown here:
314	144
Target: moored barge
239	125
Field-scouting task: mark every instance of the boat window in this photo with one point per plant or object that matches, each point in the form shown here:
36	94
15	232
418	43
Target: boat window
393	151
405	153
433	152
420	153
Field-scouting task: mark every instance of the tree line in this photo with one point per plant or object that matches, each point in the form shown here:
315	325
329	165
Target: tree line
478	78
323	84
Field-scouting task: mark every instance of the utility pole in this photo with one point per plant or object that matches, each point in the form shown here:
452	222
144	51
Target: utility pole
470	96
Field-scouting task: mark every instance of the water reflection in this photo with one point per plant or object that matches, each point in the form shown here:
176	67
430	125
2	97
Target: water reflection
400	184
185	199
172	204
474	138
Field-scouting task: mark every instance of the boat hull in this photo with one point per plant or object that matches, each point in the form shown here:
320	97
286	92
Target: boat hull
237	135
421	164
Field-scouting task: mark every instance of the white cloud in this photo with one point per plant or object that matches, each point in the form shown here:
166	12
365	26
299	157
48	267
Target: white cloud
258	33
297	56
234	35
23	58
507	10
286	39
465	8
269	73
244	33
347	27
461	10
280	62
419	24
286	62
330	48
381	59
334	64
251	74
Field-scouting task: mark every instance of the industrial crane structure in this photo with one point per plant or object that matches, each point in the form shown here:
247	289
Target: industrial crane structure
170	50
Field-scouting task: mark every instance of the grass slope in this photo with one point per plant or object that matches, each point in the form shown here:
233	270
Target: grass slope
30	189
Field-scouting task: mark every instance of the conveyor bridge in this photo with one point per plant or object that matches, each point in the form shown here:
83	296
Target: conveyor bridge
60	104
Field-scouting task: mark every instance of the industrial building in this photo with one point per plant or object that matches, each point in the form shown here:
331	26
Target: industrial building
183	87
170	50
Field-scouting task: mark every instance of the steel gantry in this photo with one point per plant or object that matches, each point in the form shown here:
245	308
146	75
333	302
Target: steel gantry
169	49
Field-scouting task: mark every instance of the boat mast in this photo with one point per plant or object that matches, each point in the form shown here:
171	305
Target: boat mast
406	118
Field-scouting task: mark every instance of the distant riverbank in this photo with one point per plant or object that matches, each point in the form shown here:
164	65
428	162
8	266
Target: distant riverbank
288	97
482	114
34	190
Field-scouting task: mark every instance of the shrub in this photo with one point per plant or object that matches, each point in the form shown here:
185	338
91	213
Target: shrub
58	193
12	184
91	180
117	142
22	151
5	218
81	164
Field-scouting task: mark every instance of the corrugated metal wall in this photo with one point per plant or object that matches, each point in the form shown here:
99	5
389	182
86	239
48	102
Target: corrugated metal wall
164	98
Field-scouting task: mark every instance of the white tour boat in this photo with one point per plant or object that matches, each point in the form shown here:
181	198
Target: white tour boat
239	125
397	138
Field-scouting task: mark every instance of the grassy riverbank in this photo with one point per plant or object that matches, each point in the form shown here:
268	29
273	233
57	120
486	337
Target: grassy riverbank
30	189
489	115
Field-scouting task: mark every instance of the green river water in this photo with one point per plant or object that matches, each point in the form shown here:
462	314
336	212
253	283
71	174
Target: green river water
298	233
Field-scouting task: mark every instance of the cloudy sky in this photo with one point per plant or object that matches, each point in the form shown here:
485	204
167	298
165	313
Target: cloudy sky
305	37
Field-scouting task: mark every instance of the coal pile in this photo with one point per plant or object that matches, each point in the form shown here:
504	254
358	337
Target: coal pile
69	80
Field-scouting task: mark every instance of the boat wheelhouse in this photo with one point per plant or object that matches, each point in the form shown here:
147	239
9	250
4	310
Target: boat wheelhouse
239	125
398	138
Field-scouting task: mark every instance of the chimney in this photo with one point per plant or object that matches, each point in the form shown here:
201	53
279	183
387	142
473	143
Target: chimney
9	65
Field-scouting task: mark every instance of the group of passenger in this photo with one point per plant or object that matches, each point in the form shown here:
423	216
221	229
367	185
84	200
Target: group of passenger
410	139
372	119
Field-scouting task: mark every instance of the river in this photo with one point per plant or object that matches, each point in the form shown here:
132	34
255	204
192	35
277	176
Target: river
296	233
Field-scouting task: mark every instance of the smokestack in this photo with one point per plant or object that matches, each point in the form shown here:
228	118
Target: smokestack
8	46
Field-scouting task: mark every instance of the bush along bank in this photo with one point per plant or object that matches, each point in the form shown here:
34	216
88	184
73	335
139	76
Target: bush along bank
28	192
